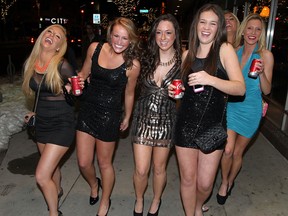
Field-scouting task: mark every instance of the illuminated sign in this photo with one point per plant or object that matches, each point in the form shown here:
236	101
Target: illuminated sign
144	10
96	18
56	20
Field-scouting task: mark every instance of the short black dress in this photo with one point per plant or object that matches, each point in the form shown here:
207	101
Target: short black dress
192	106
154	113
55	119
101	106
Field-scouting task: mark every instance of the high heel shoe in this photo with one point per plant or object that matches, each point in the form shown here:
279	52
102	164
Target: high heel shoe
137	213
94	200
107	209
156	213
60	213
222	199
60	194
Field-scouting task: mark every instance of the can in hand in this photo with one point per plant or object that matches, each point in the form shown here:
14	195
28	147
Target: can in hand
178	92
76	89
253	72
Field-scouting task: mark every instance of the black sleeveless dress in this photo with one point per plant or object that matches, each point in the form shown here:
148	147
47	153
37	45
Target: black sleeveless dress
55	119
101	106
192	106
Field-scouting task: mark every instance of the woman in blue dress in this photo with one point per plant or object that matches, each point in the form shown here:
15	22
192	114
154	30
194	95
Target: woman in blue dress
244	113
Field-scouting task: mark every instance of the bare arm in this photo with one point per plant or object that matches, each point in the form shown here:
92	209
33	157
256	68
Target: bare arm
235	85
266	72
132	75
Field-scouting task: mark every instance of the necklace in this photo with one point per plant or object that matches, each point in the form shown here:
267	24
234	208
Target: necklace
171	61
43	68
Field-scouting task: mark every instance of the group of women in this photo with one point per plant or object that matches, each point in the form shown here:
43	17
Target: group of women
116	69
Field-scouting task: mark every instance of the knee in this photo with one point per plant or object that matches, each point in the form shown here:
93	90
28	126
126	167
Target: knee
228	152
204	187
141	172
84	165
159	170
41	178
104	164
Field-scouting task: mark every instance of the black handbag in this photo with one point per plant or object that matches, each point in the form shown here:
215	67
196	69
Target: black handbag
213	136
30	125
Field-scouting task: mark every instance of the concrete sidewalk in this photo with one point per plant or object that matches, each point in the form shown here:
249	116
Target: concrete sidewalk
261	188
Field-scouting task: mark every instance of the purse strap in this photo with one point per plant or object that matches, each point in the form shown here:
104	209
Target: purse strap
38	93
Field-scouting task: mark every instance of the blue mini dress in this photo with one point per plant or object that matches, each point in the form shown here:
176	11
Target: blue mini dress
244	113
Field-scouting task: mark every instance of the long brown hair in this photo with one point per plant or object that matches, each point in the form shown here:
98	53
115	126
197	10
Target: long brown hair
220	37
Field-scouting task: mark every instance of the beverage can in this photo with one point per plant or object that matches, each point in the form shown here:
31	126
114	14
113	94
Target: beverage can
178	92
253	72
76	89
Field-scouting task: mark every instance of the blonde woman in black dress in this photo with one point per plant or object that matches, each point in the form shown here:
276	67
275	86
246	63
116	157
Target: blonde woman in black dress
55	129
154	112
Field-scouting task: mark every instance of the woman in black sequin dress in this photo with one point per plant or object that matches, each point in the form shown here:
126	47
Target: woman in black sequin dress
154	112
210	62
114	70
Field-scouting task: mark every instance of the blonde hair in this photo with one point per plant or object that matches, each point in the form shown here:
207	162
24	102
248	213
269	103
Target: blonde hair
53	79
262	39
237	23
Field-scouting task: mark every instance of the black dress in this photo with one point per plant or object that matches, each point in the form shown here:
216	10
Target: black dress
101	106
192	106
154	113
55	120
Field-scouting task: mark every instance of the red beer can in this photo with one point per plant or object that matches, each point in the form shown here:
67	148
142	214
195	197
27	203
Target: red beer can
178	93
76	89
253	72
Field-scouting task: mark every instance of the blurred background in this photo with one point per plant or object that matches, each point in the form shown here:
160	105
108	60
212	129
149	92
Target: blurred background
22	21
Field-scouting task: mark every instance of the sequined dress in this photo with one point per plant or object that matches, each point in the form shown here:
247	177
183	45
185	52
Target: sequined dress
154	112
101	107
192	106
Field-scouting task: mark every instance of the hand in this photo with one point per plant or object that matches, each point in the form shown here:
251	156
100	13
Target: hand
124	124
260	66
28	116
198	78
171	90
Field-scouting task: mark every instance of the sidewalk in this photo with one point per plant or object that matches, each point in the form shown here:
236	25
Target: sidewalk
261	188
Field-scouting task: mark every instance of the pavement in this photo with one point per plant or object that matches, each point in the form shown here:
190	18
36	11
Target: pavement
261	188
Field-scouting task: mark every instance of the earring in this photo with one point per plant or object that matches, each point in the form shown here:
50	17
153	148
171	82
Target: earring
57	50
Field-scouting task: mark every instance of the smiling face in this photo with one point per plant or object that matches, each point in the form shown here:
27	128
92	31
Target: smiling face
252	31
119	39
207	27
53	38
165	35
231	23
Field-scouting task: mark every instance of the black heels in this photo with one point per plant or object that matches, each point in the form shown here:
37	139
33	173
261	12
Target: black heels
94	200
222	199
156	213
107	209
136	213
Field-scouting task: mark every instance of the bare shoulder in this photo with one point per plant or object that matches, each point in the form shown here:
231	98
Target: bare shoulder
267	54
226	47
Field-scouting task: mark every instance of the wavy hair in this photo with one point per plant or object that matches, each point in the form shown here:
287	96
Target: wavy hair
151	58
53	79
220	38
237	22
262	39
133	50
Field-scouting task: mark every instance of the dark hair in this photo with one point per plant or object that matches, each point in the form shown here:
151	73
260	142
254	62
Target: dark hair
220	37
151	58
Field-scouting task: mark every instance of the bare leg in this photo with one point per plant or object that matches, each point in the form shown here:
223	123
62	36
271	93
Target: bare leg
85	155
104	152
160	157
206	172
240	146
142	158
50	156
226	162
187	159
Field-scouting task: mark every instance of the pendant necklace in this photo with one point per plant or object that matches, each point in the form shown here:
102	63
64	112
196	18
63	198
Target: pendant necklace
171	61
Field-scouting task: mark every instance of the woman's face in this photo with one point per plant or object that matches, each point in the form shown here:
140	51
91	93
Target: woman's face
119	39
207	27
53	38
252	31
231	23
165	35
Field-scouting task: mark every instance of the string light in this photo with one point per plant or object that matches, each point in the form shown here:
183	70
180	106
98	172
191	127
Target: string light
126	7
5	7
